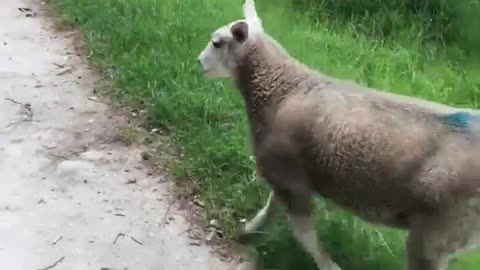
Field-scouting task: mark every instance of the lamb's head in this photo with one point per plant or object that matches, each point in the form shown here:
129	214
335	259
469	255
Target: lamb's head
229	43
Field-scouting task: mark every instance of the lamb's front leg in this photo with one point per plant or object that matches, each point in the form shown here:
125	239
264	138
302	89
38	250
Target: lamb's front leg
301	218
260	220
283	170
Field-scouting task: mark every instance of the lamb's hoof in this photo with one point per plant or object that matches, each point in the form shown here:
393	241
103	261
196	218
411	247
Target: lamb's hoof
331	266
247	265
245	237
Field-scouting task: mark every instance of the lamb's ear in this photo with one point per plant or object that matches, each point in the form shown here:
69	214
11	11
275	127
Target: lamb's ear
240	31
251	16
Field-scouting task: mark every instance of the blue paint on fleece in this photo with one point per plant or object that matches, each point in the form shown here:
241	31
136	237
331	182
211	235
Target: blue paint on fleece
462	121
459	119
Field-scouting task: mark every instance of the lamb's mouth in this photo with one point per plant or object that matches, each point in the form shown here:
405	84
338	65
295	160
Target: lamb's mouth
205	71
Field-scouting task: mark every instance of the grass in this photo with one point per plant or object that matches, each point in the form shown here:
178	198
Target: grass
149	48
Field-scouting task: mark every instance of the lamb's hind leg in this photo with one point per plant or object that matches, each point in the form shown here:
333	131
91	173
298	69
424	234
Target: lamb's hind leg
435	238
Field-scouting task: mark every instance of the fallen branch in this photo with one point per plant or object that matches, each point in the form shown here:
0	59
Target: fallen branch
53	265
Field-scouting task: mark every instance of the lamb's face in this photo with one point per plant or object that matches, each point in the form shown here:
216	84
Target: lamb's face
218	59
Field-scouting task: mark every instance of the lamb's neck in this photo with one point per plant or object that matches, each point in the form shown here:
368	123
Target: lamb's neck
264	81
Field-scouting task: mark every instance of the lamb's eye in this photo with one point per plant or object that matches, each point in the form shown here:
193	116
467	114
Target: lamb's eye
217	44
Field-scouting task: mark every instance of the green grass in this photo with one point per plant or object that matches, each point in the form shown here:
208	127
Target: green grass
149	47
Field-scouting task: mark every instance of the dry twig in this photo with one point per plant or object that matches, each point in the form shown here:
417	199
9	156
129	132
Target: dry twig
136	241
53	265
118	236
165	217
13	100
57	240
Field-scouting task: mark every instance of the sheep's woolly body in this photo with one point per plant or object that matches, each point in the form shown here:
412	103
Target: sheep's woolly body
390	159
262	57
380	155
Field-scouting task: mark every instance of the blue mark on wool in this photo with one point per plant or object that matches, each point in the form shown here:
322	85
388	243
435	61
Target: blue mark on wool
464	122
460	119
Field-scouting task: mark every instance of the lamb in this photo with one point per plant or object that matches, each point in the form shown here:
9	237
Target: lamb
392	160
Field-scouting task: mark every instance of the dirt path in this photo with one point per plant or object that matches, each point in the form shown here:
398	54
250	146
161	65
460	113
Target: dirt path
64	198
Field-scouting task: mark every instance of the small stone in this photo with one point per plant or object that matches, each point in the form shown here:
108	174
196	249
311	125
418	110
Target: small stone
214	223
210	235
145	155
198	202
132	181
162	179
92	155
41	201
147	140
74	167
